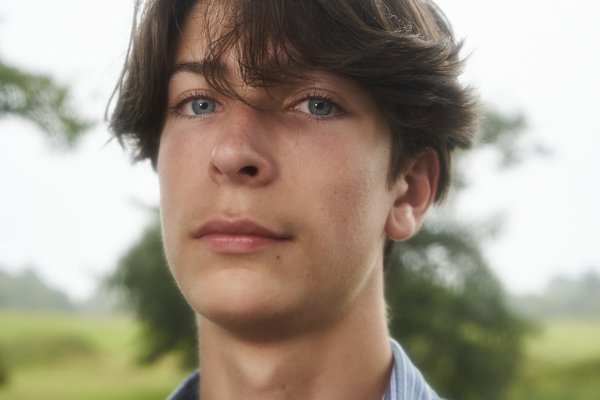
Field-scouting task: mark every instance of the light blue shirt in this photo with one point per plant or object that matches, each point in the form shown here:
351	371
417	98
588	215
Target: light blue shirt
406	381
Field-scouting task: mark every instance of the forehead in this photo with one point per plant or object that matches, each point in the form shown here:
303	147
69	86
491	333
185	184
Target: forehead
252	39
204	23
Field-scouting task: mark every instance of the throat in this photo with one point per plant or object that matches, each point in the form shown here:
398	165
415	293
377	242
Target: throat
316	367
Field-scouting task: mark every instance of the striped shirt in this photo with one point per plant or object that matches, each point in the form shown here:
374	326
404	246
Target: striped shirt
406	381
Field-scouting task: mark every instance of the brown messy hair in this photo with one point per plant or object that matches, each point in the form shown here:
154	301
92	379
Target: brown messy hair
401	51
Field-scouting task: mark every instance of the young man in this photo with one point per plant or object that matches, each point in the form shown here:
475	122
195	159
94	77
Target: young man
292	139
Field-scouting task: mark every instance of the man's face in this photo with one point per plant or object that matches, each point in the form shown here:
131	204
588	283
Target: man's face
272	213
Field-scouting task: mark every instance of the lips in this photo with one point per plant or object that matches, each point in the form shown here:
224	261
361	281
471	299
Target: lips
239	236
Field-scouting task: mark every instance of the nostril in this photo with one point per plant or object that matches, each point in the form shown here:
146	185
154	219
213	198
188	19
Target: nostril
249	170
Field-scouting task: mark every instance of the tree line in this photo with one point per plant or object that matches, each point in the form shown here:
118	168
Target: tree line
563	297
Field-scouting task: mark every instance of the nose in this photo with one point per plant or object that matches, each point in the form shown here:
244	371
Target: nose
242	155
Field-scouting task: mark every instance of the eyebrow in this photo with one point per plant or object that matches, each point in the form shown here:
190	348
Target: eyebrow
195	67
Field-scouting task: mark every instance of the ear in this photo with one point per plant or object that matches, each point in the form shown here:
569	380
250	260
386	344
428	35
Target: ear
414	191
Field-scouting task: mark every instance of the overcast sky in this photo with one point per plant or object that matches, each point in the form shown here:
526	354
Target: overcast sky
70	215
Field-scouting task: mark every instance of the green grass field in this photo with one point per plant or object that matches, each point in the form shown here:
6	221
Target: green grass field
67	357
70	357
562	363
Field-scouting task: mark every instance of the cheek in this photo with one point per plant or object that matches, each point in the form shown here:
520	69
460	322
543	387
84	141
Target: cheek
166	171
351	189
174	183
170	172
354	210
181	165
346	232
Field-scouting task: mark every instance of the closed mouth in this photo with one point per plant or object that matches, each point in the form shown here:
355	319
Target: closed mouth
240	227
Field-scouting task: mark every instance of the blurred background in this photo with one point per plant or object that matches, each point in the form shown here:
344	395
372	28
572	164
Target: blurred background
497	298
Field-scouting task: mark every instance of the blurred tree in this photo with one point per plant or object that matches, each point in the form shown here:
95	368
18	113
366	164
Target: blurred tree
3	369
27	291
446	307
448	311
149	289
39	99
563	298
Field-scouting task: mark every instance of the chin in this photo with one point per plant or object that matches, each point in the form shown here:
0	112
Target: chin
253	323
254	307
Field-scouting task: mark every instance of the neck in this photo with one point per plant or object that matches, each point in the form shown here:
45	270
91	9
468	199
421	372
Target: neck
350	358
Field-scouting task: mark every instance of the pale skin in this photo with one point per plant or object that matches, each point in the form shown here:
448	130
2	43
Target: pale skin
274	219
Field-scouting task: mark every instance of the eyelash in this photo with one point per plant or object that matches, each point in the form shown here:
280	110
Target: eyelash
187	97
321	97
198	94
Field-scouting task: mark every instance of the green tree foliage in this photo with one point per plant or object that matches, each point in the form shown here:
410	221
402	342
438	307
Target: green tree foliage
4	373
448	311
39	99
446	307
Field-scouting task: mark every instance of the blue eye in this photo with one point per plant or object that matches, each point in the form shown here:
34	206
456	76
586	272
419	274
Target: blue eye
319	106
202	106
